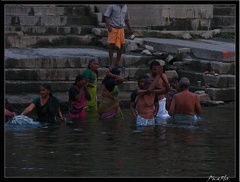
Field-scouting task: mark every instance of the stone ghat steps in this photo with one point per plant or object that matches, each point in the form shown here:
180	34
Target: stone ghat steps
224	17
200	65
20	30
21	87
50	40
46	9
63	74
50	20
26	69
68	58
200	48
221	87
218	81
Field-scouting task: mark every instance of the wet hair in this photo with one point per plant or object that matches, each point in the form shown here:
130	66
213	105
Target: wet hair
47	87
115	71
154	63
184	82
79	77
142	76
148	81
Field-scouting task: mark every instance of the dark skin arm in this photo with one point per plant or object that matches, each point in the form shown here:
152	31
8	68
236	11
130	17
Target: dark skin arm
108	24
162	76
132	109
83	89
168	102
129	27
143	92
156	108
119	79
9	113
61	116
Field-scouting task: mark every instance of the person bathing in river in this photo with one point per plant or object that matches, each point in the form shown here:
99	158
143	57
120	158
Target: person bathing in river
78	96
109	105
91	75
147	102
162	82
47	105
184	104
8	110
133	95
169	98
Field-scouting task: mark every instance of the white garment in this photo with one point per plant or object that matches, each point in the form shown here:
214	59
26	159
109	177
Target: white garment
145	122
162	112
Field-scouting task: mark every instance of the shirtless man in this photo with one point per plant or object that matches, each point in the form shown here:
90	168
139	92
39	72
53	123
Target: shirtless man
162	82
184	104
133	95
147	103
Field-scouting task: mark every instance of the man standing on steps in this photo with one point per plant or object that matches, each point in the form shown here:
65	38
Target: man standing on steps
116	16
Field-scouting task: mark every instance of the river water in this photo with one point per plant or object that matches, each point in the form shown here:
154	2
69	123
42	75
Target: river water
117	148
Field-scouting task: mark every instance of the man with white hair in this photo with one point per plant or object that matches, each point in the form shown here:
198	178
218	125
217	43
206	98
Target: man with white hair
184	104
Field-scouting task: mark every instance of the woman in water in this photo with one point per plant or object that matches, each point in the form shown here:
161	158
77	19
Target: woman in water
109	104
47	105
78	94
91	74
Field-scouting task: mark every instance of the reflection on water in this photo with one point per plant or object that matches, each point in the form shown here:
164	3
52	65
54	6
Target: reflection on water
118	148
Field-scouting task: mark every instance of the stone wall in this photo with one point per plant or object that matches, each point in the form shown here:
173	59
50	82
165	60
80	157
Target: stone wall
168	17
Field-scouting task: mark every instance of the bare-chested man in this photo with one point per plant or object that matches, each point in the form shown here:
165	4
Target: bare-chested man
147	103
184	104
162	82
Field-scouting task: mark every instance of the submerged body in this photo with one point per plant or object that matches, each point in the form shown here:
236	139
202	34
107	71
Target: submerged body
185	105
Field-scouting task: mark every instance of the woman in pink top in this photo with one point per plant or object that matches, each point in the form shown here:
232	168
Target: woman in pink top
78	96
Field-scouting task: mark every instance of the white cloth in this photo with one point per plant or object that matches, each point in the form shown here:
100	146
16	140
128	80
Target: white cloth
145	122
162	112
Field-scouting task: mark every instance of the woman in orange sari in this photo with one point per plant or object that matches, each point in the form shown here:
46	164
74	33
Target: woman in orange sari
109	104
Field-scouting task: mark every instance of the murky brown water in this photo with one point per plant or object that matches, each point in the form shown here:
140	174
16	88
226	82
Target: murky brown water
117	148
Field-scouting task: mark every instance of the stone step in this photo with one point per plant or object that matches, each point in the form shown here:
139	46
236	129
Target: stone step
220	81
47	30
200	48
224	11
63	74
68	57
57	86
55	20
224	20
51	40
46	9
200	65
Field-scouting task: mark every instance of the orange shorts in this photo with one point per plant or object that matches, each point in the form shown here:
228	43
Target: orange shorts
116	36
